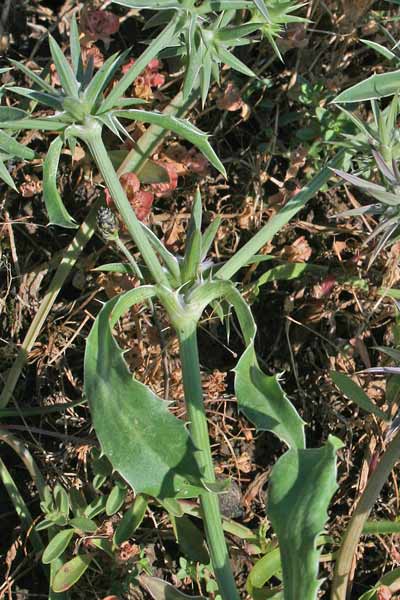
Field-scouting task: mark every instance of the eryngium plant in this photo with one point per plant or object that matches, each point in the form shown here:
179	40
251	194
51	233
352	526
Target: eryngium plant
10	149
153	451
387	207
203	34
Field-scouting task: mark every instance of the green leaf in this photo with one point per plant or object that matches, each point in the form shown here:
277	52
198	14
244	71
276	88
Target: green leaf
75	46
168	258
71	572
380	49
58	214
102	78
152	172
356	394
205	76
131	520
209	236
41	83
6	177
9	145
260	5
35	124
161	590
158	44
262	400
287	272
181	127
190	539
96	507
57	545
232	61
115	268
115	499
263	570
146	444
301	486
191	261
152	4
375	87
275	223
63	68
83	524
382	527
61	500
46	99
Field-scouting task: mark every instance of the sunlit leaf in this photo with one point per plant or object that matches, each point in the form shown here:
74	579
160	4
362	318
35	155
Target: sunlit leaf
58	214
181	127
64	70
376	86
146	444
161	590
57	545
301	487
71	572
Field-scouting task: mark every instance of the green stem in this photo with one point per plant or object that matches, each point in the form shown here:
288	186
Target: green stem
70	257
360	515
136	158
199	431
275	224
91	134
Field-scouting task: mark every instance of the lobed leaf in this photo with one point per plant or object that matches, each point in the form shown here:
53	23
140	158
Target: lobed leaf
262	400
301	487
149	447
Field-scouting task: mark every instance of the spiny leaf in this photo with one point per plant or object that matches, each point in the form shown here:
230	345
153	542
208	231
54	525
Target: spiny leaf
14	148
301	487
181	127
146	444
63	68
41	83
58	214
375	87
158	44
262	400
42	97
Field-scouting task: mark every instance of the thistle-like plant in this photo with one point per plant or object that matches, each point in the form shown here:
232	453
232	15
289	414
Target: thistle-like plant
280	14
152	450
81	110
204	34
387	206
10	149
